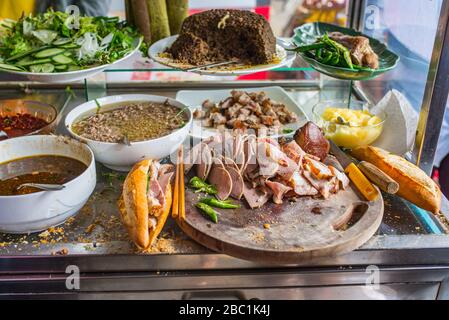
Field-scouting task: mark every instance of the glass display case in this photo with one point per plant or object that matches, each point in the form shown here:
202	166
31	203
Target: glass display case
410	250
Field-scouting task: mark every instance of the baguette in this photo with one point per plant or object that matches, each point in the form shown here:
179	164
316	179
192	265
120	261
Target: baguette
414	184
138	207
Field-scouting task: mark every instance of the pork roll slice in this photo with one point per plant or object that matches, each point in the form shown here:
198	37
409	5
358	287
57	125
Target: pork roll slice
221	179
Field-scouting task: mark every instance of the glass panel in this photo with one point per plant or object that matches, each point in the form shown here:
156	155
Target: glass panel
408	28
409	31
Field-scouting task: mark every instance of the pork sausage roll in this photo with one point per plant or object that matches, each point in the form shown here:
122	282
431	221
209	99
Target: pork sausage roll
146	201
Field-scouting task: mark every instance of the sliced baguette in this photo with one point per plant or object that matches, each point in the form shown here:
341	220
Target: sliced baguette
136	210
133	204
414	184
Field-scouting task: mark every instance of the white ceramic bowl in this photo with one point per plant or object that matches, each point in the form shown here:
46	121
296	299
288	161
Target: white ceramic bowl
121	157
38	211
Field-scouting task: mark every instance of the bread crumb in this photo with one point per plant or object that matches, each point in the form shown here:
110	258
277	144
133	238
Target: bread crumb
90	228
62	252
44	234
266	226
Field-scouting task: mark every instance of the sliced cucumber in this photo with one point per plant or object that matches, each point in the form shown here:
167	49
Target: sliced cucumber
48	53
73	68
61	67
26	53
62	41
33	62
9	67
67	54
62	59
70	46
23	61
42	68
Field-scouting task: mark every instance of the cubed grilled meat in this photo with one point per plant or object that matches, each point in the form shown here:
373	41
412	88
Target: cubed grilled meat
244	110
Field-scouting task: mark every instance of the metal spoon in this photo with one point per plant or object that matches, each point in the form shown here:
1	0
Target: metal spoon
3	135
44	187
125	141
210	65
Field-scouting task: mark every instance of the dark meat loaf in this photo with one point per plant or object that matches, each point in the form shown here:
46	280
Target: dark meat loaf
221	35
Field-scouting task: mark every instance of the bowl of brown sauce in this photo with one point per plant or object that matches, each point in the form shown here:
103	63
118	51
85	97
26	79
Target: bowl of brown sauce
43	159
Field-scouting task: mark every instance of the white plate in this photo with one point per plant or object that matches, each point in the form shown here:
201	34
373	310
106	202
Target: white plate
195	98
159	47
71	76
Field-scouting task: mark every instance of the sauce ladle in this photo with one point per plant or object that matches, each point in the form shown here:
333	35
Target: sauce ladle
3	135
44	187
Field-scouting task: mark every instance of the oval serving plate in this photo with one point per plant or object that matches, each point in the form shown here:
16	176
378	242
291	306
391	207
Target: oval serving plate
308	33
70	76
155	51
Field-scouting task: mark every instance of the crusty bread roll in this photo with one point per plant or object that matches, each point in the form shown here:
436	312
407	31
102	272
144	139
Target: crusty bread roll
414	184
136	209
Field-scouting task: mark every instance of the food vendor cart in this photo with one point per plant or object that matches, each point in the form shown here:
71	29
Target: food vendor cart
408	258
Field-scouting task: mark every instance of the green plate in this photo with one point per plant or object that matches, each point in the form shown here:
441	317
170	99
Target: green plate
308	33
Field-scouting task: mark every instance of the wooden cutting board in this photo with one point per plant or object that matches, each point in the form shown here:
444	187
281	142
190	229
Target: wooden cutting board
288	233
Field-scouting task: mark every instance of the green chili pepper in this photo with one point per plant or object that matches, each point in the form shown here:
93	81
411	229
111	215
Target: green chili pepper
310	47
348	59
361	68
208	211
319	53
341	49
220	204
335	59
327	56
201	186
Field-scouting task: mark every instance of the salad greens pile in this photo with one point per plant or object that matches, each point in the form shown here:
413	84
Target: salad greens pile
56	42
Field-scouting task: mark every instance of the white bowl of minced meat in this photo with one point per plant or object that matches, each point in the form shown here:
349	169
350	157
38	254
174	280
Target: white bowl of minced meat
124	129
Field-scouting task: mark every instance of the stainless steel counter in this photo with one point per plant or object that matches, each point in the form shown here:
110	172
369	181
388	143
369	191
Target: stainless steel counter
404	249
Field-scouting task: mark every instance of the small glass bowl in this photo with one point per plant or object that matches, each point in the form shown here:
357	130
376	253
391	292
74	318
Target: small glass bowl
37	109
347	135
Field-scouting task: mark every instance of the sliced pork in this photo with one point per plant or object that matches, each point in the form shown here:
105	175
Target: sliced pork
260	168
301	186
255	197
221	179
205	164
341	177
323	186
155	194
237	182
318	169
279	191
294	151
